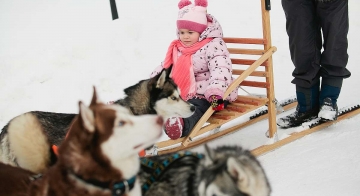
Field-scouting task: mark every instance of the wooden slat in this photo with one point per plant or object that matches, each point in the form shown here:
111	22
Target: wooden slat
222	117
246	62
249	100
246	51
235	40
254	73
236	108
242	105
226	112
261	99
255	84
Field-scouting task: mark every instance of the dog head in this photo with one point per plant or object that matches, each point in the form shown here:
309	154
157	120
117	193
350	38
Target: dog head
104	140
233	171
168	102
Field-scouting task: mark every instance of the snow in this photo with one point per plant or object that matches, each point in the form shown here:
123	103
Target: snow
53	52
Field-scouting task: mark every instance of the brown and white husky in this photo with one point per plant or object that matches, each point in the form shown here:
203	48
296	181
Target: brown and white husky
99	155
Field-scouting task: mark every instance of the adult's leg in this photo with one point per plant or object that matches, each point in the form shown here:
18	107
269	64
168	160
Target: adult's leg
305	45
305	40
334	20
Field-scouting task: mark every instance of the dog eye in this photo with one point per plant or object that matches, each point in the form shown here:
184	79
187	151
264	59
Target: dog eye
121	123
173	98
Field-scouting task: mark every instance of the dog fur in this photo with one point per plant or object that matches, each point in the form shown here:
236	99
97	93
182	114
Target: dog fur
225	171
100	149
158	95
14	181
27	139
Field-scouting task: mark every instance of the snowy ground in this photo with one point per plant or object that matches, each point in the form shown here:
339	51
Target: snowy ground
52	52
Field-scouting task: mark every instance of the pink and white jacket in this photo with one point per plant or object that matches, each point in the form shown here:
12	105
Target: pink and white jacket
211	63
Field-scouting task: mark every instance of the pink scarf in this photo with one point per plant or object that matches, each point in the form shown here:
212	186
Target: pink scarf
182	71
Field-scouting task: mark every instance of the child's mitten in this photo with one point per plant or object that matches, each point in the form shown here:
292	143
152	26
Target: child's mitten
216	102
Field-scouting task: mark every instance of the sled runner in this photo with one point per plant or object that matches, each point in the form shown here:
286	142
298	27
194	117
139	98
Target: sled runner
253	68
308	128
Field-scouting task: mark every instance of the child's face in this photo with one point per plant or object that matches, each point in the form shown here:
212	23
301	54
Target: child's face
188	37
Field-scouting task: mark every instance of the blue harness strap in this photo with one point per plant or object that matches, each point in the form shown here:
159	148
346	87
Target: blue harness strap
158	168
123	187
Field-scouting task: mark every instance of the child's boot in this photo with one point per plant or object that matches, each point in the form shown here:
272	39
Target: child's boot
173	127
330	90
307	108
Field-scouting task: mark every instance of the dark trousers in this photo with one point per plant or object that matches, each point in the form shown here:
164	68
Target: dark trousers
201	106
305	19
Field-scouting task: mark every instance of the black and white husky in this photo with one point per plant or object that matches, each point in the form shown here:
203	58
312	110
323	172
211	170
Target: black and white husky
157	95
224	171
18	140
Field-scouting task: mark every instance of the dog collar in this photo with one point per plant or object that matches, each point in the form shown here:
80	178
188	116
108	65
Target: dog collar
123	187
117	188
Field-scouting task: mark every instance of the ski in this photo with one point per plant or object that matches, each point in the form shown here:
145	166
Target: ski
307	128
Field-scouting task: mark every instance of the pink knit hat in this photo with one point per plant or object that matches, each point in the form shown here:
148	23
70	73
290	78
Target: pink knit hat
192	17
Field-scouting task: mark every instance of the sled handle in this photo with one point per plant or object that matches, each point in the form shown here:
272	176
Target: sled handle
267	5
114	12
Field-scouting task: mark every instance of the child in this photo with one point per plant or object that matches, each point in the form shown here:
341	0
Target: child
201	67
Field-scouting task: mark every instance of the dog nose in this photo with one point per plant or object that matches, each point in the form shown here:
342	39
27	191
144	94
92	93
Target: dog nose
192	108
160	120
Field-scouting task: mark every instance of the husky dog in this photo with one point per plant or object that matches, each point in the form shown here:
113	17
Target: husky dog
226	170
99	155
157	95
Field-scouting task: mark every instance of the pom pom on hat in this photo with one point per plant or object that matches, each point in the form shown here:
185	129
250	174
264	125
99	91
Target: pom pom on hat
192	17
202	3
184	3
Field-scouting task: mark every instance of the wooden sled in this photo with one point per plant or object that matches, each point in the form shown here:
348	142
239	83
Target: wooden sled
255	71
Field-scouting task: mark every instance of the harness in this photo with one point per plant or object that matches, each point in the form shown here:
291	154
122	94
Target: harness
117	188
159	167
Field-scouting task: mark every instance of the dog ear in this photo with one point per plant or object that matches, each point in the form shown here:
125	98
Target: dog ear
161	80
209	154
87	117
242	179
169	71
94	98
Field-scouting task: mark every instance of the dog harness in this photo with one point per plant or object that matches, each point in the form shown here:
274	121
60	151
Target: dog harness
117	188
123	187
158	168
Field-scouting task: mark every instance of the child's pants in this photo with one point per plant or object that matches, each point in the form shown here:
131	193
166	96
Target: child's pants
201	106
